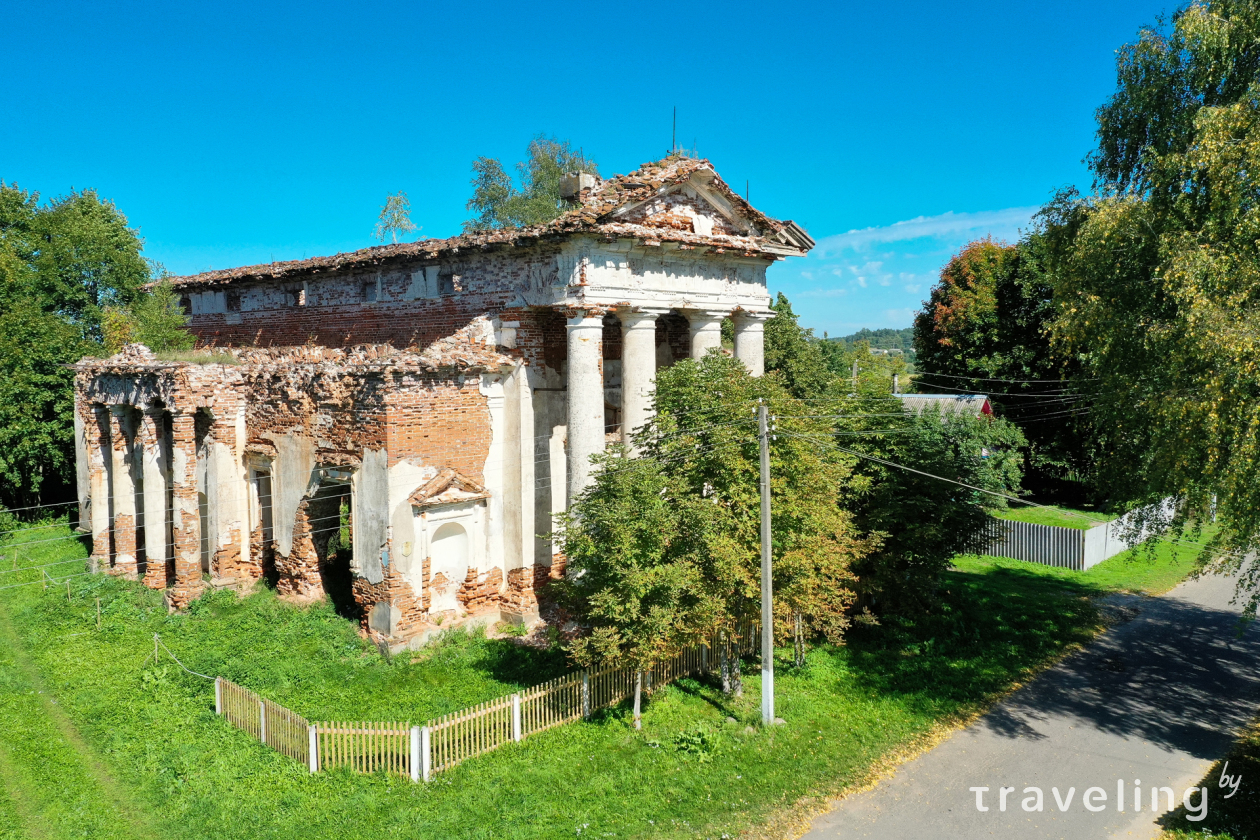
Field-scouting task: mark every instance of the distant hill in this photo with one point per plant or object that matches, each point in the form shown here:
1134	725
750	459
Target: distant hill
883	339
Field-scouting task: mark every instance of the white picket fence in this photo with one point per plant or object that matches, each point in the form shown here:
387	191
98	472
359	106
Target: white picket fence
417	752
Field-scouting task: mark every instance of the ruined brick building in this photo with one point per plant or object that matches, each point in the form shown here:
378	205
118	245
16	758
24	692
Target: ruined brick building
452	391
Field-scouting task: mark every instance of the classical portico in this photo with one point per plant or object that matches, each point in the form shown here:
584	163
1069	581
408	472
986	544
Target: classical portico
640	359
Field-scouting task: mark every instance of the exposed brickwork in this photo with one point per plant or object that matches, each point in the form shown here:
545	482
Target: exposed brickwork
158	570
185	520
300	571
481	590
96	424
406	364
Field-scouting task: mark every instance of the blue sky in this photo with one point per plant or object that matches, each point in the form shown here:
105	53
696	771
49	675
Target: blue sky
234	133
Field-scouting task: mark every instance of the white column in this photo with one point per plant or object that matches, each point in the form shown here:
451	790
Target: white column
750	339
100	463
585	396
155	456
706	330
638	369
124	509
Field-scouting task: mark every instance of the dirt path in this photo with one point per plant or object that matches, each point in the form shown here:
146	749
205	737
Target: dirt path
56	782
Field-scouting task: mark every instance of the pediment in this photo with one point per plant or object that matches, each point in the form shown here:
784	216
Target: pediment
448	487
689	207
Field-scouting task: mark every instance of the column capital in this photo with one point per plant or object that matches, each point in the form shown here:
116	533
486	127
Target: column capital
118	409
747	316
638	316
704	315
577	315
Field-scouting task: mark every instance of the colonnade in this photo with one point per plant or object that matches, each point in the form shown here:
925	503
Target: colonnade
585	383
151	454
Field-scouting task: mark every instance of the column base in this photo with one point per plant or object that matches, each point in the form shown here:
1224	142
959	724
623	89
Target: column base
179	597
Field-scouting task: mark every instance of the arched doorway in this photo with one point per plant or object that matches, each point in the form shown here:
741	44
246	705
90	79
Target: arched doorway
448	551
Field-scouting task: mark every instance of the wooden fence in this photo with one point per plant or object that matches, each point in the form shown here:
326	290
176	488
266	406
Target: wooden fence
283	730
419	751
365	747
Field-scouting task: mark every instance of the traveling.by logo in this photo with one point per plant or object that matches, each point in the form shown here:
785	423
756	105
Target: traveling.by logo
1095	798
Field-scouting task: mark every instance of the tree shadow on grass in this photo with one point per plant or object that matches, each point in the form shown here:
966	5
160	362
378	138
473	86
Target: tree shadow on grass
1175	674
524	665
988	631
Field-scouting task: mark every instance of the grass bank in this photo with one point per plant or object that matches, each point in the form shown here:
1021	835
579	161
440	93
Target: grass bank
139	748
1061	517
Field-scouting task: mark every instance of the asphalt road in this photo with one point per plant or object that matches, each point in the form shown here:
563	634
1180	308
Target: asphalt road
1157	698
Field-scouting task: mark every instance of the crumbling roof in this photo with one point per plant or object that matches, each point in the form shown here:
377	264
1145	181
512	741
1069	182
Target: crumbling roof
595	213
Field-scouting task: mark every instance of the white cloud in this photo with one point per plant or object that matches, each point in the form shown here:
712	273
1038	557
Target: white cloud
823	293
1000	223
913	288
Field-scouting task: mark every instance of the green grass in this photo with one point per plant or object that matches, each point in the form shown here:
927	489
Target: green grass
1081	520
141	752
1151	570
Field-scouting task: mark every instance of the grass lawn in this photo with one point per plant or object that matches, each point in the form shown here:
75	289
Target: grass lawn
93	742
1081	520
1148	570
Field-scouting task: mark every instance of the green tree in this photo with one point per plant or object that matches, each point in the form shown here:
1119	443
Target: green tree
705	435
1158	276
986	329
793	352
154	319
925	520
499	203
395	218
61	265
635	559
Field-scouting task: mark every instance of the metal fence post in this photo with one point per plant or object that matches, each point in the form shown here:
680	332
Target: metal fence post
218	695
415	753
516	717
586	694
262	720
425	762
704	658
313	747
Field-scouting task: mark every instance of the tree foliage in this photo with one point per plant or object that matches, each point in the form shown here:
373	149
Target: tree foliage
926	520
635	553
154	319
395	218
985	328
1158	275
62	264
792	351
497	202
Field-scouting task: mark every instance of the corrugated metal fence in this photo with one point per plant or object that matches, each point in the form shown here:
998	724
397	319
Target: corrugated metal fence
419	751
1045	544
1050	545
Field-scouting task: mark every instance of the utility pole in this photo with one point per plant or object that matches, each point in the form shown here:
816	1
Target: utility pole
855	376
767	595
896	384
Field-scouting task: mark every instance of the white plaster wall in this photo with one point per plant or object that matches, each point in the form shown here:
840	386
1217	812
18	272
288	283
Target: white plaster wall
664	276
496	472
